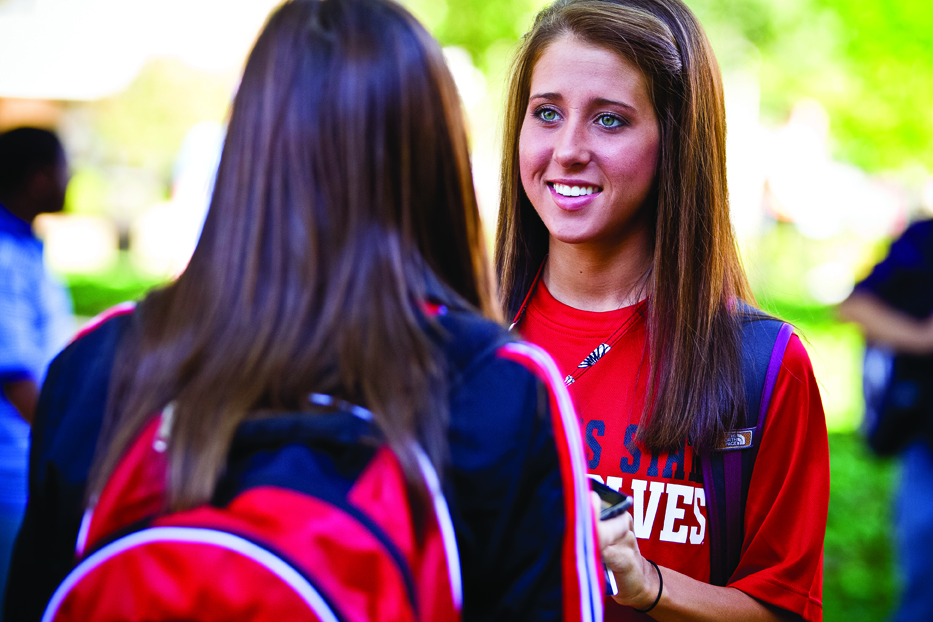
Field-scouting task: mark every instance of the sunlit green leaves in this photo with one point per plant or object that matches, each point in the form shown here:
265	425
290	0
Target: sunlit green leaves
870	63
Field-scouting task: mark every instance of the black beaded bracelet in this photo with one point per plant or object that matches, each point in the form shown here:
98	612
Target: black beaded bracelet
660	589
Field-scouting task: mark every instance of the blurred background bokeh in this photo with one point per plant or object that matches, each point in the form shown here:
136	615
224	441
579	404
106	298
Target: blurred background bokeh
828	151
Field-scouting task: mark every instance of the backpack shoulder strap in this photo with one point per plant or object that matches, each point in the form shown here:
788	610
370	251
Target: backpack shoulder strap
135	490
727	472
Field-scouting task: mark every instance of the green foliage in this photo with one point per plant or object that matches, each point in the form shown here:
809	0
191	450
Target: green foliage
476	25
859	583
93	293
886	57
781	261
87	192
870	63
123	148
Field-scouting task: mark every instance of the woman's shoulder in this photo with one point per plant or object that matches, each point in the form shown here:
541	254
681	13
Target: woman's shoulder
92	348
766	331
503	391
74	393
468	338
112	320
796	415
477	346
796	364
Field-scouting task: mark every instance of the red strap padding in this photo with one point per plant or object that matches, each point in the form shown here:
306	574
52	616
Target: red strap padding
135	490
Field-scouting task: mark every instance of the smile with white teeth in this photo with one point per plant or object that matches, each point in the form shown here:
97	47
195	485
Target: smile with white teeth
574	191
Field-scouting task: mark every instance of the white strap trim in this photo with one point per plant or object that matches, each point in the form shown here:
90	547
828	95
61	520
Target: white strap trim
442	511
323	399
213	537
81	543
587	551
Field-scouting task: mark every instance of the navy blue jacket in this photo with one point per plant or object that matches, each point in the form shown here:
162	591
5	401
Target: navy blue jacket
515	483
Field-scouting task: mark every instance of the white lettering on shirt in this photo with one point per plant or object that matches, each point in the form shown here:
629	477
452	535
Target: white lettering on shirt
644	517
674	512
645	514
698	533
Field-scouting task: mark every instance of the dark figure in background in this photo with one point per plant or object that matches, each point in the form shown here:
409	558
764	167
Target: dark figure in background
35	311
894	307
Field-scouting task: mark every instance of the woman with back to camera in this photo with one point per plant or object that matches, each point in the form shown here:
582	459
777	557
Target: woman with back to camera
342	255
615	253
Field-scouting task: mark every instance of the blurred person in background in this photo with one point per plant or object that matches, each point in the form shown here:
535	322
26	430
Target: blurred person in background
893	306
341	259
35	310
616	254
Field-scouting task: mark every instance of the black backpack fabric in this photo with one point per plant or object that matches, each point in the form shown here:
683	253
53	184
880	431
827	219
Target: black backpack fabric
727	472
898	390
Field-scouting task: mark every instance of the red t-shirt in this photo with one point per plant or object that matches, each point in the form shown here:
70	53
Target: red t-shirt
785	516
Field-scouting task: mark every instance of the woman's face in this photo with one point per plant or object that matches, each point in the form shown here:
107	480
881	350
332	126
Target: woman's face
588	147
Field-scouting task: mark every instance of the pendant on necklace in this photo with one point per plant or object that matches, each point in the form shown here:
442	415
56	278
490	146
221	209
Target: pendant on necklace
595	355
591	359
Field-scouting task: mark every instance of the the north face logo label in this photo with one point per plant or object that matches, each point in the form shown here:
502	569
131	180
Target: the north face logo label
738	440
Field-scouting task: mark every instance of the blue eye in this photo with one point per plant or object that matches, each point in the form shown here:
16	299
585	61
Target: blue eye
609	121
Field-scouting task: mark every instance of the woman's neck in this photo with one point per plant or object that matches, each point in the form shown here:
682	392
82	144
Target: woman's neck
596	279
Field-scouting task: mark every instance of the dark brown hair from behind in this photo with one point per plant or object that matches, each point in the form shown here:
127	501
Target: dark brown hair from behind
696	274
344	188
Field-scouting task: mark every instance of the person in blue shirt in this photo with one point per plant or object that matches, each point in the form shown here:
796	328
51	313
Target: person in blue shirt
35	311
893	306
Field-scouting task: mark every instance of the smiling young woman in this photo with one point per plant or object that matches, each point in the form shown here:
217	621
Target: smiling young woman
615	252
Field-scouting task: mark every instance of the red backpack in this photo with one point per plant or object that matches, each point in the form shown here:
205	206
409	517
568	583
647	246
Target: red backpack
340	545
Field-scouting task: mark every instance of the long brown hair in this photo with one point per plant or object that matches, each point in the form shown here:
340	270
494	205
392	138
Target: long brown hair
696	275
343	190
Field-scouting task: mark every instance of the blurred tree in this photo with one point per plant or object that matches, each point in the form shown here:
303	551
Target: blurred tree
144	125
476	25
124	147
870	63
887	52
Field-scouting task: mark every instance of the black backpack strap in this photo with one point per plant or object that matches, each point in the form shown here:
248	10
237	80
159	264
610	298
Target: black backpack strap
727	472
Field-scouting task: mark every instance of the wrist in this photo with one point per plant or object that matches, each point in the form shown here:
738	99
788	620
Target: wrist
654	586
